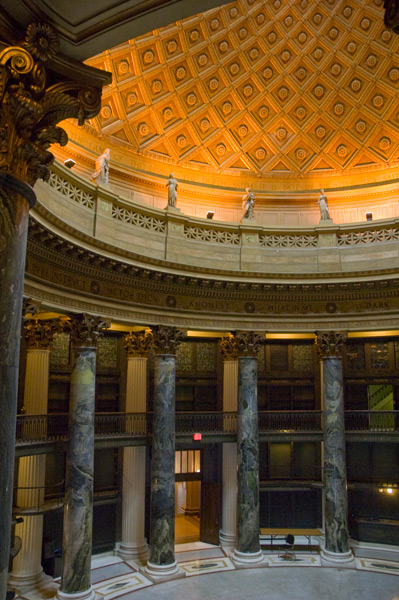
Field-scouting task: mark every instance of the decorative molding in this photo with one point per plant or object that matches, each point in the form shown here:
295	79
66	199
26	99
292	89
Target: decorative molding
132	217
288	241
166	339
138	343
74	193
229	348
249	343
39	333
85	329
389	234
216	236
330	344
32	104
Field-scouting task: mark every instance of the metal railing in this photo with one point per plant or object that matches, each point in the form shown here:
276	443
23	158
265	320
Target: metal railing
372	420
54	427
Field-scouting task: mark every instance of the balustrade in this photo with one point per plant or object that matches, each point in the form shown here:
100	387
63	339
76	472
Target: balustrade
54	427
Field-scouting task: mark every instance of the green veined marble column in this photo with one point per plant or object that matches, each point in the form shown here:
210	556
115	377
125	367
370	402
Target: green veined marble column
247	546
78	509
330	346
162	524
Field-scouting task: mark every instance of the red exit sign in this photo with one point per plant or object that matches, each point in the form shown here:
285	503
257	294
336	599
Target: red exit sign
197	437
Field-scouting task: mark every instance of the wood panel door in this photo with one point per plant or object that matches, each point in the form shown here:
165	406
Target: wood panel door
210	512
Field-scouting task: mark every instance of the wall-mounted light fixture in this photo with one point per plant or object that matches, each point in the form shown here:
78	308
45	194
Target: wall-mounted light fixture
69	162
369	216
209	214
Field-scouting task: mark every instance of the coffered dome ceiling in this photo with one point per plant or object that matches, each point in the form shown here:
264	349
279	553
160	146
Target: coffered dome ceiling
260	87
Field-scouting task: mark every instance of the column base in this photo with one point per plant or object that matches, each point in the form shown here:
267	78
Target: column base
23	582
160	573
227	540
89	594
132	551
247	560
337	559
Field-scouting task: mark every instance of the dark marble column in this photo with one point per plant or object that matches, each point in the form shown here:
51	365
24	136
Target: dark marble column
78	508
330	346
16	197
247	549
31	105
162	526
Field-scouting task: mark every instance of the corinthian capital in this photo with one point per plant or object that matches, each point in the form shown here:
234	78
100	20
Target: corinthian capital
138	343
33	100
39	333
229	348
85	329
166	339
330	344
249	343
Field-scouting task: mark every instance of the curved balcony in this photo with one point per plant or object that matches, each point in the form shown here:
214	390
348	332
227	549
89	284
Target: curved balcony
36	432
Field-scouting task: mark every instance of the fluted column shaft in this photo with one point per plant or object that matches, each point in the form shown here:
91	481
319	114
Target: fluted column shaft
15	199
330	346
229	475
162	534
26	567
133	543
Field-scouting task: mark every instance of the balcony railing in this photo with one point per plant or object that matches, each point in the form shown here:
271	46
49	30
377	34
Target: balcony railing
54	427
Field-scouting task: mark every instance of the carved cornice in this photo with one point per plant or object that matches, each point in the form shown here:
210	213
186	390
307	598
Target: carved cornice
249	343
166	339
33	100
138	343
330	344
229	348
391	18
85	329
39	334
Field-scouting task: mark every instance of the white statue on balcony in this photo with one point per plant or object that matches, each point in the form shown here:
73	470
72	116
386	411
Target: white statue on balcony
172	190
322	202
248	205
101	174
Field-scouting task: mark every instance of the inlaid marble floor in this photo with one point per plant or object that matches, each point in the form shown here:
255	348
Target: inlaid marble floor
368	579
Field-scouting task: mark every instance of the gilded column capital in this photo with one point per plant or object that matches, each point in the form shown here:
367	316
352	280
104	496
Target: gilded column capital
39	333
85	329
166	339
330	344
229	348
391	17
249	343
33	99
138	343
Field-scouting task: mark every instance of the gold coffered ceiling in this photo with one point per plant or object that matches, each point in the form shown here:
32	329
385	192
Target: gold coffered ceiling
260	87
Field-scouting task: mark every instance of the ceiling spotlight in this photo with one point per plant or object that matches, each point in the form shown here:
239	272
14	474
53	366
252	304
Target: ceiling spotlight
69	162
209	214
369	216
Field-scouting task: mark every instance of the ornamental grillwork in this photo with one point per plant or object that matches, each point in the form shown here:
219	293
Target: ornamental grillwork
206	356
107	351
217	236
302	358
379	356
134	218
355	356
184	361
288	241
70	191
59	353
368	237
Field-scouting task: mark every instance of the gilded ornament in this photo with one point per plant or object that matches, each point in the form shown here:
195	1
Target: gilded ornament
85	329
234	68
39	333
249	343
330	344
229	348
260	18
166	339
138	343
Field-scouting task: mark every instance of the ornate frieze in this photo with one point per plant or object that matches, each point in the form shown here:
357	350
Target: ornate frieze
138	343
249	343
39	333
85	329
229	347
33	102
330	344
166	339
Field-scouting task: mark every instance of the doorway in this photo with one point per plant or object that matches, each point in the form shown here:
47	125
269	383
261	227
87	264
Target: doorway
381	405
187	496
